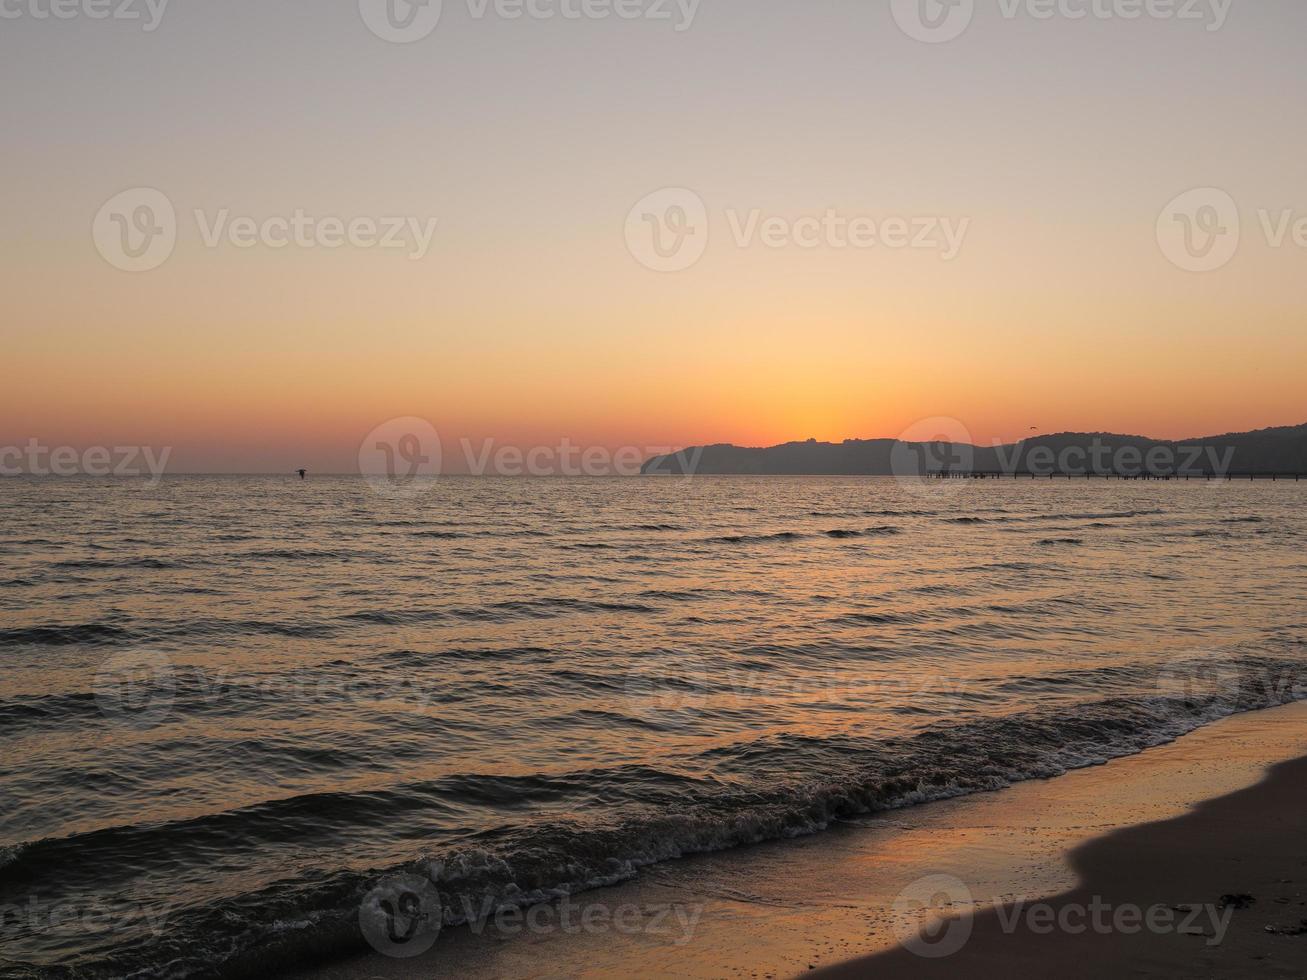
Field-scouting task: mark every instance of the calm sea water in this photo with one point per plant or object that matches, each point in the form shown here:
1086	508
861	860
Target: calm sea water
230	704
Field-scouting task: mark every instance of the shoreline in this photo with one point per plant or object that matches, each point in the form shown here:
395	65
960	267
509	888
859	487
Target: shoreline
1220	891
787	907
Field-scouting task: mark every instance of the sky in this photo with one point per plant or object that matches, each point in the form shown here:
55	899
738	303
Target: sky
741	221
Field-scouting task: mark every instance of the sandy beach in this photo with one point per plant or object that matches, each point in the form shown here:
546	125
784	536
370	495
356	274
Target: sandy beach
1221	892
1176	826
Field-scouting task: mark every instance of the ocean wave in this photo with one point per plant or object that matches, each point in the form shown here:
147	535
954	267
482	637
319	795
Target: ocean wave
60	635
242	627
871	513
418	658
303	554
876	619
395	617
757	538
1038	518
46	710
90	564
344	699
675	595
524	863
544	608
884	529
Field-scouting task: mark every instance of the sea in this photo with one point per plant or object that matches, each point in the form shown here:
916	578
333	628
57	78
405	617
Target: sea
230	706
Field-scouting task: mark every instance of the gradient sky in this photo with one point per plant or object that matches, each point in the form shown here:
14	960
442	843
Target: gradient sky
530	141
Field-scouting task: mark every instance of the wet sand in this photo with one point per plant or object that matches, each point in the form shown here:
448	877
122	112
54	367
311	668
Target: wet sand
1219	892
1126	831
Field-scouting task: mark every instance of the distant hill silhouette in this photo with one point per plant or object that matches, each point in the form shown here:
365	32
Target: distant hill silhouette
1279	450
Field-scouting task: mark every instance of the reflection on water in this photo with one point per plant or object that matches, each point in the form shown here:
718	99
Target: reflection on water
230	702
